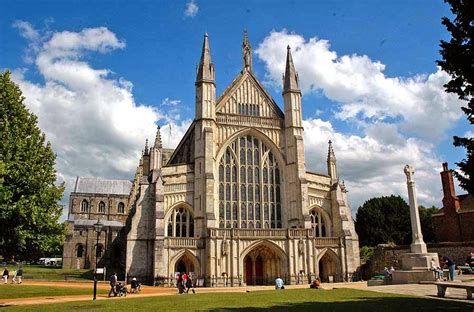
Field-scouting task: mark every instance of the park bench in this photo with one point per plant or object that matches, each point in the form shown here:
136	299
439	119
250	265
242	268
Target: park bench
442	286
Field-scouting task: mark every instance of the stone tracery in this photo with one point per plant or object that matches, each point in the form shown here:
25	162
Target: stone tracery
249	186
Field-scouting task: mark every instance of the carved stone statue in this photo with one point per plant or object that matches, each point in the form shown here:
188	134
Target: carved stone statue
225	247
301	247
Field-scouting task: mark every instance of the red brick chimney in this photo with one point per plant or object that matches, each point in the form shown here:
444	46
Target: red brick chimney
450	200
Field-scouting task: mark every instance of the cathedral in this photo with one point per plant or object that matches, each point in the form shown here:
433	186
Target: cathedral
233	203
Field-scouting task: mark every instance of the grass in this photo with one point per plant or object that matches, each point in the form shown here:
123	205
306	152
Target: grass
287	300
49	273
27	291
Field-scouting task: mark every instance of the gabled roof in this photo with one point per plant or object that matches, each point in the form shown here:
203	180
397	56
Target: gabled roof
102	186
235	84
184	153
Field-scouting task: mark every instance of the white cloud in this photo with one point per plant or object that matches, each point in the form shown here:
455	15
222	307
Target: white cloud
372	164
359	86
393	115
91	118
192	9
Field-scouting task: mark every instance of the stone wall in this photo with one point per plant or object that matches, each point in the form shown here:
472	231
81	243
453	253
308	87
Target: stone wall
386	255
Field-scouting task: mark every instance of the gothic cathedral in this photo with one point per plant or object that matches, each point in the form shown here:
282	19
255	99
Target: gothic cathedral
233	203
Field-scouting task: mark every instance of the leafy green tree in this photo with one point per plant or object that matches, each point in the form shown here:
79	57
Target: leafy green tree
427	227
382	220
29	208
458	60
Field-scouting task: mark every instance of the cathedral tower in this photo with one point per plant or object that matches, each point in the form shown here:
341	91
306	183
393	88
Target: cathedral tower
204	152
294	147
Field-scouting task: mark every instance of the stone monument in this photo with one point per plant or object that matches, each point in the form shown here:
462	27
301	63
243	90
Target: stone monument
416	264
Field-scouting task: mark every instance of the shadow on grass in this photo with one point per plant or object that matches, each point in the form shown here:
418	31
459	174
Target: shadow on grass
365	304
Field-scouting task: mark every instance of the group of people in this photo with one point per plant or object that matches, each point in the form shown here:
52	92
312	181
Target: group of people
17	276
119	289
448	263
315	284
184	283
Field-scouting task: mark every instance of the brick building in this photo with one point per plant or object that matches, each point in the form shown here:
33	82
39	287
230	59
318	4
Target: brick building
455	221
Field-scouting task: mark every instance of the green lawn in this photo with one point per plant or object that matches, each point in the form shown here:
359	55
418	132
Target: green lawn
42	272
25	291
286	300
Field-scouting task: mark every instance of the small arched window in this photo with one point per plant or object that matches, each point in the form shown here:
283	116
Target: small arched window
79	251
317	223
121	207
84	206
180	223
101	207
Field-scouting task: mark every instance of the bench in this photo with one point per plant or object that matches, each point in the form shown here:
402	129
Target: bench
443	286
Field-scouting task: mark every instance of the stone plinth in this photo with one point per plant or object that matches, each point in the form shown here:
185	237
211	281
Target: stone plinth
418	261
412	276
415	268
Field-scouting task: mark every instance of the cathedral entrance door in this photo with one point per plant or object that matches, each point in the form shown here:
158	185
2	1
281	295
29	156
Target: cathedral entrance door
184	264
259	271
249	271
262	266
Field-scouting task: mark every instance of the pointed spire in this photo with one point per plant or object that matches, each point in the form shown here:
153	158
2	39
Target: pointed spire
290	80
205	70
158	143
146	151
331	155
246	52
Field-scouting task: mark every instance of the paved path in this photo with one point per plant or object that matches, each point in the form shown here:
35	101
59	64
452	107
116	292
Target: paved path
423	290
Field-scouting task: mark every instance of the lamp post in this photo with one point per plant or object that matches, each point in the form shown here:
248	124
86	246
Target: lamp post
98	229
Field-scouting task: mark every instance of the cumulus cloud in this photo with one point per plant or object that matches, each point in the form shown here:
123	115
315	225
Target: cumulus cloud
359	86
90	116
192	9
372	164
393	116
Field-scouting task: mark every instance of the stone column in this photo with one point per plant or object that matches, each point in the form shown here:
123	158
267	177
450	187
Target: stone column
417	245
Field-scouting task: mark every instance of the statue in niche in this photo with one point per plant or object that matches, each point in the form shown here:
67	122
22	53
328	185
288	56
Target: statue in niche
225	247
301	247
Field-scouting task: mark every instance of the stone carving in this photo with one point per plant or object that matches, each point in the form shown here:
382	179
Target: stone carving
225	247
301	247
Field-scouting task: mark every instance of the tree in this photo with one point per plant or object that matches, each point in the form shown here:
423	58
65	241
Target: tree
383	219
29	208
427	227
458	61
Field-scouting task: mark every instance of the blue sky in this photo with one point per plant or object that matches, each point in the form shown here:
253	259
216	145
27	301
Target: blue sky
365	47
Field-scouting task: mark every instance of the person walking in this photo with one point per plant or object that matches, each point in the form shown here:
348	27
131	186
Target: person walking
19	275
13	277
113	284
5	276
451	267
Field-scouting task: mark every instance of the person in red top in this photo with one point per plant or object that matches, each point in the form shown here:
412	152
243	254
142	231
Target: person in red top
185	280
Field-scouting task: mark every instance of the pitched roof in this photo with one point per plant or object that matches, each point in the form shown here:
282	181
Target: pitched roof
102	186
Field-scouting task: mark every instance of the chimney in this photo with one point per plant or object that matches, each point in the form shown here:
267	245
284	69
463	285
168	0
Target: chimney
450	201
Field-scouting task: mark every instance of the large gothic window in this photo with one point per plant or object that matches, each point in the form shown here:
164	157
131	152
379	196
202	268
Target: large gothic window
249	186
180	223
317	223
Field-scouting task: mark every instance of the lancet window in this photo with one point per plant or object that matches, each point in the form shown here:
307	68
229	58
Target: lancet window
249	186
249	109
84	206
180	223
317	223
101	207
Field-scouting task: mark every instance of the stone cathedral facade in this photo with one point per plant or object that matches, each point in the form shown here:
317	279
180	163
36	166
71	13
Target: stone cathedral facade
234	203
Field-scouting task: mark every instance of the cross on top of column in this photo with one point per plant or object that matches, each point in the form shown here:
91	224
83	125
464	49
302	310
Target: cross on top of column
409	172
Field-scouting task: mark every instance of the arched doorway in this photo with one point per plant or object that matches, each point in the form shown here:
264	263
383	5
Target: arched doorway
185	264
262	265
329	268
